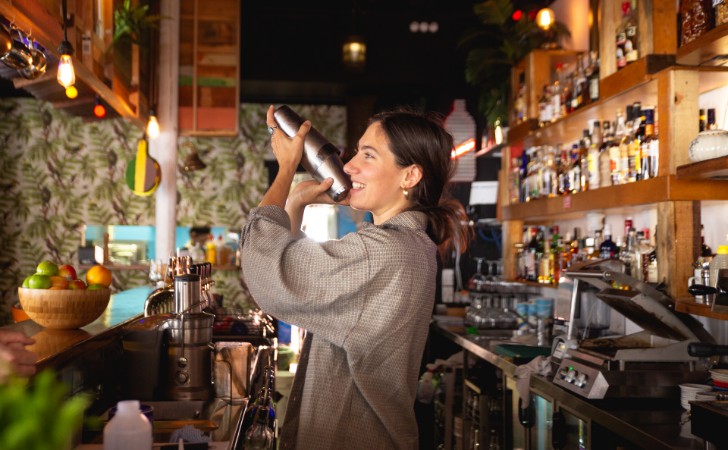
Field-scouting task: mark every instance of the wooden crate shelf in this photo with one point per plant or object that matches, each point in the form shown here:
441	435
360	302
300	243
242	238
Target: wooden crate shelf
713	169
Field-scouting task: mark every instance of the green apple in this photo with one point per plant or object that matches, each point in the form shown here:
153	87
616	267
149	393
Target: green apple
47	268
39	281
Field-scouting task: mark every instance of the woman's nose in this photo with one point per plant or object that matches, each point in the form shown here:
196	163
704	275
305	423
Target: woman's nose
349	167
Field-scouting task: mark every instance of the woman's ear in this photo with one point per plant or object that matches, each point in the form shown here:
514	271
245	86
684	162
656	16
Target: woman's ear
413	175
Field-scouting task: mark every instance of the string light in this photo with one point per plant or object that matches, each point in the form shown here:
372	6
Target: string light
545	18
71	92
99	108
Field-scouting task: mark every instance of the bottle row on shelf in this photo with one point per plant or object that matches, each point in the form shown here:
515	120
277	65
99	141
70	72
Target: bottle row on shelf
541	258
609	153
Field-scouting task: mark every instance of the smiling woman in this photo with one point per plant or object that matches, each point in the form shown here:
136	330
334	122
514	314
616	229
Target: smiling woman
350	294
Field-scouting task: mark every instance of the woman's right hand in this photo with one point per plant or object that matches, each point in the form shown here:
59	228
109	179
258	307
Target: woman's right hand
288	151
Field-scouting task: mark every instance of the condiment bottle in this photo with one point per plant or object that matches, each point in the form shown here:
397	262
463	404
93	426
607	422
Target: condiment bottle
129	428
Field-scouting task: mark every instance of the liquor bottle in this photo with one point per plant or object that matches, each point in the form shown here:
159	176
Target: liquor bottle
627	254
605	169
608	249
566	255
593	156
593	76
545	107
584	145
649	258
549	174
557	106
519	104
564	171
635	146
711	125
523	171
575	247
631	43
624	145
650	146
556	250
619	49
705	249
579	89
702	120
575	169
567	94
544	264
533	252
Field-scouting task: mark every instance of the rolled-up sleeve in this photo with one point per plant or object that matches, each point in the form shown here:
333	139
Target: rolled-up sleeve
317	286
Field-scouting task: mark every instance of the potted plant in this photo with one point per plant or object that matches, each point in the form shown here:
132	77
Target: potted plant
504	38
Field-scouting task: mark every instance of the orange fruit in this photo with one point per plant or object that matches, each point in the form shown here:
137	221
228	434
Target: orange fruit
98	274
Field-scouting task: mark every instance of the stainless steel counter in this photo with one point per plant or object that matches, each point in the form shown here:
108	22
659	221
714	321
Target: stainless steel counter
647	424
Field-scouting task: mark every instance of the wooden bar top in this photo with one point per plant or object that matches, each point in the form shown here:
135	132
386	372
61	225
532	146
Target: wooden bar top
51	344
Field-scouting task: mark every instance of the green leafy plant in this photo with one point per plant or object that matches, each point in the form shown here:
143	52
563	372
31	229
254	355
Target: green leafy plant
130	22
38	414
495	47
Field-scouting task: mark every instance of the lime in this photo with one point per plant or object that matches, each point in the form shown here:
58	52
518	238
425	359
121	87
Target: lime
26	282
95	287
47	268
39	281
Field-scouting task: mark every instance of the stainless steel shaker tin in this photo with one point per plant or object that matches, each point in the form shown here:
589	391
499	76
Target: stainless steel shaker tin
320	157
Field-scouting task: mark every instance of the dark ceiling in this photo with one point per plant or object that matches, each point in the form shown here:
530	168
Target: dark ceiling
288	45
291	51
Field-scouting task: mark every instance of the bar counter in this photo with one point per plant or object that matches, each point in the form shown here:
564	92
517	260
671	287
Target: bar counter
55	347
661	424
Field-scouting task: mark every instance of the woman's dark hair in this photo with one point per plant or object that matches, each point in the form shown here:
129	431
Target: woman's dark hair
416	138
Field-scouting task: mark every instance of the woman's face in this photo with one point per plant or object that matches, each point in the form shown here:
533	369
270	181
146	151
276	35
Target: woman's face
377	180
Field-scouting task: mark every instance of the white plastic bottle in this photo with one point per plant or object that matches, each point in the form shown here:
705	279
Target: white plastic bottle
128	429
719	261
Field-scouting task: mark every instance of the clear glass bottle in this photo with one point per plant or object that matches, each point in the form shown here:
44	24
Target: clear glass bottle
631	44
259	436
593	154
624	146
720	12
593	77
605	168
550	182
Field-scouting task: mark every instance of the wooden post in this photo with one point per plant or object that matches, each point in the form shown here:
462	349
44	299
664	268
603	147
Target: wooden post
678	244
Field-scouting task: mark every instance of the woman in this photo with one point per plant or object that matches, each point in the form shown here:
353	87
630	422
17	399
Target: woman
366	299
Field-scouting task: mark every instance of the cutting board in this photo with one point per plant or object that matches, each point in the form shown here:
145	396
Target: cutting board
143	174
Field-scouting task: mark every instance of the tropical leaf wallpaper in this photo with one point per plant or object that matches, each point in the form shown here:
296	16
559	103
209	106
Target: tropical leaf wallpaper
60	173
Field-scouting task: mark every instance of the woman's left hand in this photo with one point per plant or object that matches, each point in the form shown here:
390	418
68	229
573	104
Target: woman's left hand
311	192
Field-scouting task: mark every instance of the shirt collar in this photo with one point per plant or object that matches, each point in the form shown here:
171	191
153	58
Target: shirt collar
407	219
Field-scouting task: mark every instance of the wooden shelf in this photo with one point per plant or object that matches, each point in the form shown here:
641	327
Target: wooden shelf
713	169
122	267
660	189
636	82
708	49
690	306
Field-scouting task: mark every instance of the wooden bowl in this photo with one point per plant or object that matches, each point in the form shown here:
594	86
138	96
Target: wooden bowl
63	309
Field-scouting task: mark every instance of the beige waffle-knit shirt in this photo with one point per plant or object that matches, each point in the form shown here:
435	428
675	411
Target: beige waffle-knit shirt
365	301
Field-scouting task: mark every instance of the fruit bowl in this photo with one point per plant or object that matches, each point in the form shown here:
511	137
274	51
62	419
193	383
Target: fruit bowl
63	309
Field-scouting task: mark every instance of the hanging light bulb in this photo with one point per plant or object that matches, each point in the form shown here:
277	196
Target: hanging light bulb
152	125
66	75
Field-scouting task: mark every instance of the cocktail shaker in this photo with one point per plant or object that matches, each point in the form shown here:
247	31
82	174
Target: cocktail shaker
320	157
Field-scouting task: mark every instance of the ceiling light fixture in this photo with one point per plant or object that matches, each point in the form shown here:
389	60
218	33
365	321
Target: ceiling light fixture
66	75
